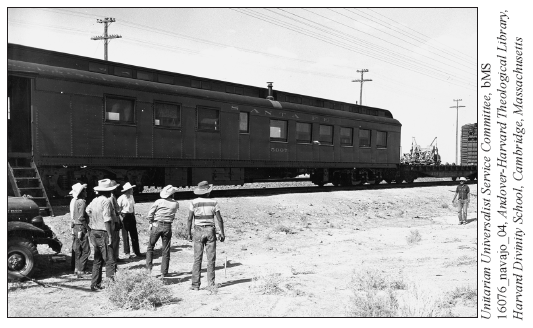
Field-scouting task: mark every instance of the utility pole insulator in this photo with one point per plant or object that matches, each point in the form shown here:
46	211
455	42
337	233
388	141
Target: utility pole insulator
106	21
362	80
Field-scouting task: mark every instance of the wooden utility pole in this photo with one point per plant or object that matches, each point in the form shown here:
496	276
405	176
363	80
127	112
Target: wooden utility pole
457	126
106	21
361	80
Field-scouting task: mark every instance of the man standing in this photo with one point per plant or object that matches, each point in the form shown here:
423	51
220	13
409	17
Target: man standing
80	228
101	226
463	194
126	203
117	222
160	216
202	211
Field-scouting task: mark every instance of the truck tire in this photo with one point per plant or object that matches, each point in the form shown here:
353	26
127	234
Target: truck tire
21	255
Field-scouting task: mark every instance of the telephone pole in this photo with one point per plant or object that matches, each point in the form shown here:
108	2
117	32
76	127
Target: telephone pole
457	126
361	80
106	21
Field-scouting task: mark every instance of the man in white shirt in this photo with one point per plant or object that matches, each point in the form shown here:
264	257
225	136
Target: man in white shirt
126	203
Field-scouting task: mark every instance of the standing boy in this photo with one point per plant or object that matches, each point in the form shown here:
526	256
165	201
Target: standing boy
126	203
80	228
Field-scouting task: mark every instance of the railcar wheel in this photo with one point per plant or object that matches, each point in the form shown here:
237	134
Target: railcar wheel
409	180
21	254
389	181
454	178
398	181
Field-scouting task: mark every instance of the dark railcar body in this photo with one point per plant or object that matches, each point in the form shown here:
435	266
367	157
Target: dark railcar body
75	138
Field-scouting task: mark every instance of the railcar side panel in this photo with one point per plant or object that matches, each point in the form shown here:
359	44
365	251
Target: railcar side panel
167	143
229	135
53	123
120	140
279	151
188	123
259	137
87	125
147	136
304	152
208	145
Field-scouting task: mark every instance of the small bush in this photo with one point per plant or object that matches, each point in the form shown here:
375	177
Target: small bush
135	289
373	303
297	272
414	237
284	229
445	205
462	260
466	293
180	230
268	284
417	303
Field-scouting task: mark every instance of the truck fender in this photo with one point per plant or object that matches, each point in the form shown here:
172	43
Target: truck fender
26	227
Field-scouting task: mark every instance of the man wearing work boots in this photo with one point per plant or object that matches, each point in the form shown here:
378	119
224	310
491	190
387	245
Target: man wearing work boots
101	226
463	194
80	228
202	212
160	216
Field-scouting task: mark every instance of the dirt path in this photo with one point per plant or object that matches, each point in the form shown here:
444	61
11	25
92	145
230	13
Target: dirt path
309	246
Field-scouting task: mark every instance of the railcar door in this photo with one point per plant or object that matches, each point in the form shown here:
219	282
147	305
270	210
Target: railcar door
19	114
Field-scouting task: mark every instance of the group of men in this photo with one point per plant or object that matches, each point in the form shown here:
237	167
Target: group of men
99	224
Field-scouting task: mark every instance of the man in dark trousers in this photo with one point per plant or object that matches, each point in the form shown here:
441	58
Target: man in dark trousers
202	212
462	193
80	228
101	236
161	215
126	203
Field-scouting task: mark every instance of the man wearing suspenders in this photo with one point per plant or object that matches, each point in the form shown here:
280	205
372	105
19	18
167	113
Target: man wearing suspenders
202	213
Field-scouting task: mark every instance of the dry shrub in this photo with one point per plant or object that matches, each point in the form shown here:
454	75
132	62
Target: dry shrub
284	229
135	289
462	260
372	295
268	284
180	230
467	294
414	237
418	303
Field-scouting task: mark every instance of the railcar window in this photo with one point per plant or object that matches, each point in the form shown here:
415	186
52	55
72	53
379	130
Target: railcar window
238	90
244	122
381	139
196	84
364	138
346	137
208	119
325	134
167	114
278	130
303	132
119	110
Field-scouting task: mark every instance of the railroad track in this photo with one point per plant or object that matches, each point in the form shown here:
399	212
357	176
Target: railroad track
268	191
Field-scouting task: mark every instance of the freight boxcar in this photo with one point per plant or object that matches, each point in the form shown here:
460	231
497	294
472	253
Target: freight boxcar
84	119
469	144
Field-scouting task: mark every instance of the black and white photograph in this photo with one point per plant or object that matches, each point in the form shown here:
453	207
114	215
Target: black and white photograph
277	161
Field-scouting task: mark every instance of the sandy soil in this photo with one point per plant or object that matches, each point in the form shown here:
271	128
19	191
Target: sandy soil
315	242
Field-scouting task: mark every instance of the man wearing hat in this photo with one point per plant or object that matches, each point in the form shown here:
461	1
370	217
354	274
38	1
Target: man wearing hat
160	216
462	193
202	212
101	223
126	204
117	222
80	228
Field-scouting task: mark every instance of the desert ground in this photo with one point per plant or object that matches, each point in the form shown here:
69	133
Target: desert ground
298	255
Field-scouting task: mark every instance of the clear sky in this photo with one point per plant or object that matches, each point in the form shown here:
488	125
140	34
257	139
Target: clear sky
419	60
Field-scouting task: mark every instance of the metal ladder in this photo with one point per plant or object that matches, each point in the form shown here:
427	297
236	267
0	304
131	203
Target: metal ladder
26	181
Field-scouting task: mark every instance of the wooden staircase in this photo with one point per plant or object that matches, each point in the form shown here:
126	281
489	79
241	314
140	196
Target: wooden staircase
26	181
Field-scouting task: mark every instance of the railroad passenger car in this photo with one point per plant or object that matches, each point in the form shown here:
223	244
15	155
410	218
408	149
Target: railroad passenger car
84	119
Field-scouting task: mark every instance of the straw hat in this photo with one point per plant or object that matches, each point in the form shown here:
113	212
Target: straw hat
203	188
462	179
76	189
126	186
168	191
106	185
